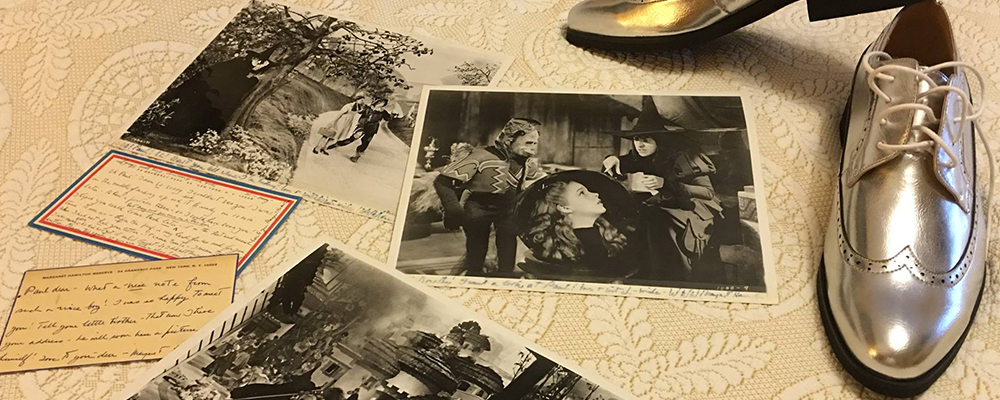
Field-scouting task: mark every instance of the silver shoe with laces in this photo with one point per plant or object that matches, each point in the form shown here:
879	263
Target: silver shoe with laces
904	262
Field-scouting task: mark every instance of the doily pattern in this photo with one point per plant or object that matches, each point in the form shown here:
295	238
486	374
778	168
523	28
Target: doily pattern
74	73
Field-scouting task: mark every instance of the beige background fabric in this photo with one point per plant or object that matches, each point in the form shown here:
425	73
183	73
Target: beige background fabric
73	72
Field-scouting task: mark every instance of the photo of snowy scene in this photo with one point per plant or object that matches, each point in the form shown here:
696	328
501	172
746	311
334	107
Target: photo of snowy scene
336	328
312	101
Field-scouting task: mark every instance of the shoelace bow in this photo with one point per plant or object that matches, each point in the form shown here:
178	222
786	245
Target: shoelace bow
877	73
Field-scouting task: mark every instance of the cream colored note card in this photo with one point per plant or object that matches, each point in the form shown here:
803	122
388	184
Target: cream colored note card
157	211
68	317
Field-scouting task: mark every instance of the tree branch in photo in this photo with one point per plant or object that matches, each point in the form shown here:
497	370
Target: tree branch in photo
370	59
475	75
366	58
264	48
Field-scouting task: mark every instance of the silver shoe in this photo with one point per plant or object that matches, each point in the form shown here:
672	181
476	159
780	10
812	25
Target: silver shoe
905	252
661	24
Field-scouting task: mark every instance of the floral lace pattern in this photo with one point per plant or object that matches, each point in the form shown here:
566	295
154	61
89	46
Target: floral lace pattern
73	73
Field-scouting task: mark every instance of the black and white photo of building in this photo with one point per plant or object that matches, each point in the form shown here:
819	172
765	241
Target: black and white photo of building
311	101
653	191
336	328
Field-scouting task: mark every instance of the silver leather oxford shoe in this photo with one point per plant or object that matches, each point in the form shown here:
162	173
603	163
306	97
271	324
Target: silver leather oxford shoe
904	263
661	24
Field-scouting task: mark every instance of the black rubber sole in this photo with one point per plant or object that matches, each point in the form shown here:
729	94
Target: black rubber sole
871	379
724	26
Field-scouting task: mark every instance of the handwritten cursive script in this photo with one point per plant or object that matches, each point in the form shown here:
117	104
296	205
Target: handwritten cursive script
111	313
165	212
724	293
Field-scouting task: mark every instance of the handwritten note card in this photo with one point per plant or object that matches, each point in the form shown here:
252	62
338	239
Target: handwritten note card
67	317
158	211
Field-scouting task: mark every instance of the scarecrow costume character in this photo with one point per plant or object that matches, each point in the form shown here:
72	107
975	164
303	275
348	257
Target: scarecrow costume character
493	175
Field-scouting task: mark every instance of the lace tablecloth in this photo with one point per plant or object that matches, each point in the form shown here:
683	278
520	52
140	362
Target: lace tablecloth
72	72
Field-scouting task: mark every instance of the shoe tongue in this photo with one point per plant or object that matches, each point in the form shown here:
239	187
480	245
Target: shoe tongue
934	100
905	89
936	75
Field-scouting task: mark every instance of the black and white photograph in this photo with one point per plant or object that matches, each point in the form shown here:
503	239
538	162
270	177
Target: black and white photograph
334	327
307	100
657	192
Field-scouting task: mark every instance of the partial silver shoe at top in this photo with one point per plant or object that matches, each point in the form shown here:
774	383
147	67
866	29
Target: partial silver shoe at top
905	252
661	24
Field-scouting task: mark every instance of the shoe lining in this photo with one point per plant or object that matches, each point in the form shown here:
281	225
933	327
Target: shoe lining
923	32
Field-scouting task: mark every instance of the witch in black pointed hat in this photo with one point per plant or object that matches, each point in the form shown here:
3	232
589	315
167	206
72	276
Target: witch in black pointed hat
261	60
231	81
670	179
655	143
208	99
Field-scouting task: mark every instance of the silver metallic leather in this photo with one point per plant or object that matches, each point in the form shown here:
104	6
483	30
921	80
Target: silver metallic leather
906	244
641	18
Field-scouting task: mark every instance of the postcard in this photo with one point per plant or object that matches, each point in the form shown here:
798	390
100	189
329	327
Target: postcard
634	194
99	314
157	211
335	326
305	102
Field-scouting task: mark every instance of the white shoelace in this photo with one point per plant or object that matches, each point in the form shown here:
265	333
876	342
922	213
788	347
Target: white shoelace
935	139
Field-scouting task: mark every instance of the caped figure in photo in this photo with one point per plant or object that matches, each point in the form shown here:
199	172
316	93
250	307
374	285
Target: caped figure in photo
368	124
493	176
670	178
291	292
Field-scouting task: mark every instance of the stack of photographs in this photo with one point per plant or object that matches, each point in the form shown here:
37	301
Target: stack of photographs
363	118
619	193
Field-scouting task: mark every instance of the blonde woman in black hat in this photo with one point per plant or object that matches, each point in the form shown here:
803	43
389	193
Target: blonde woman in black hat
573	234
